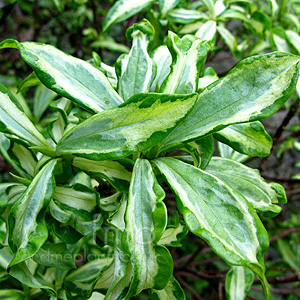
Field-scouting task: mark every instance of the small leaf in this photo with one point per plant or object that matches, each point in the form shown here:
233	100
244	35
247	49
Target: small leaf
55	255
172	291
27	226
238	283
186	16
247	181
122	10
163	59
81	282
13	120
247	138
11	294
152	264
188	57
68	76
136	70
207	31
166	6
140	123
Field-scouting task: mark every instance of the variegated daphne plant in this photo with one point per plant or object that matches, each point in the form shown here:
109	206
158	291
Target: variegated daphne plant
93	183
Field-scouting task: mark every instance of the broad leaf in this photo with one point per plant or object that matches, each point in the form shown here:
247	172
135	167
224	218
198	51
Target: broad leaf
124	9
238	283
145	221
172	291
247	138
255	89
140	123
188	57
136	70
218	214
14	120
68	76
27	225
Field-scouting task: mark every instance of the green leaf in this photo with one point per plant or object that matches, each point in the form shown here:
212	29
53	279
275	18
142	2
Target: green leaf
255	89
207	31
134	126
27	226
209	76
247	138
172	236
13	120
185	16
68	76
80	283
165	6
228	38
211	7
122	10
55	255
206	147
163	59
289	255
218	214
11	294
136	70
78	197
29	81
172	291
294	39
238	283
42	99
145	221
247	181
188	57
115	172
22	273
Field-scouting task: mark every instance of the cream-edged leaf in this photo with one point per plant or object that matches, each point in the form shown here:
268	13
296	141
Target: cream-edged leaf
68	76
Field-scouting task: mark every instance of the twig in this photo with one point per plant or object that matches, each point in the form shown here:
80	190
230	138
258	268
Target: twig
205	261
293	110
187	286
277	291
221	291
286	279
283	234
252	298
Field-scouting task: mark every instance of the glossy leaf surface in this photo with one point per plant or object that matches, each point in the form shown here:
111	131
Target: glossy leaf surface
68	76
135	126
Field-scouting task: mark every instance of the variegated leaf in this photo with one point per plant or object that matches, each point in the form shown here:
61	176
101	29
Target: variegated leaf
117	173
68	76
188	57
248	182
27	225
78	197
210	4
247	138
145	221
172	291
80	283
185	16
166	6
219	214
207	31
238	282
294	39
124	9
14	120
255	89
137	69
172	236
134	126
163	60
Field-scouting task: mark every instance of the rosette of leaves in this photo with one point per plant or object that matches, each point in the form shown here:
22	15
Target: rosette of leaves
91	187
